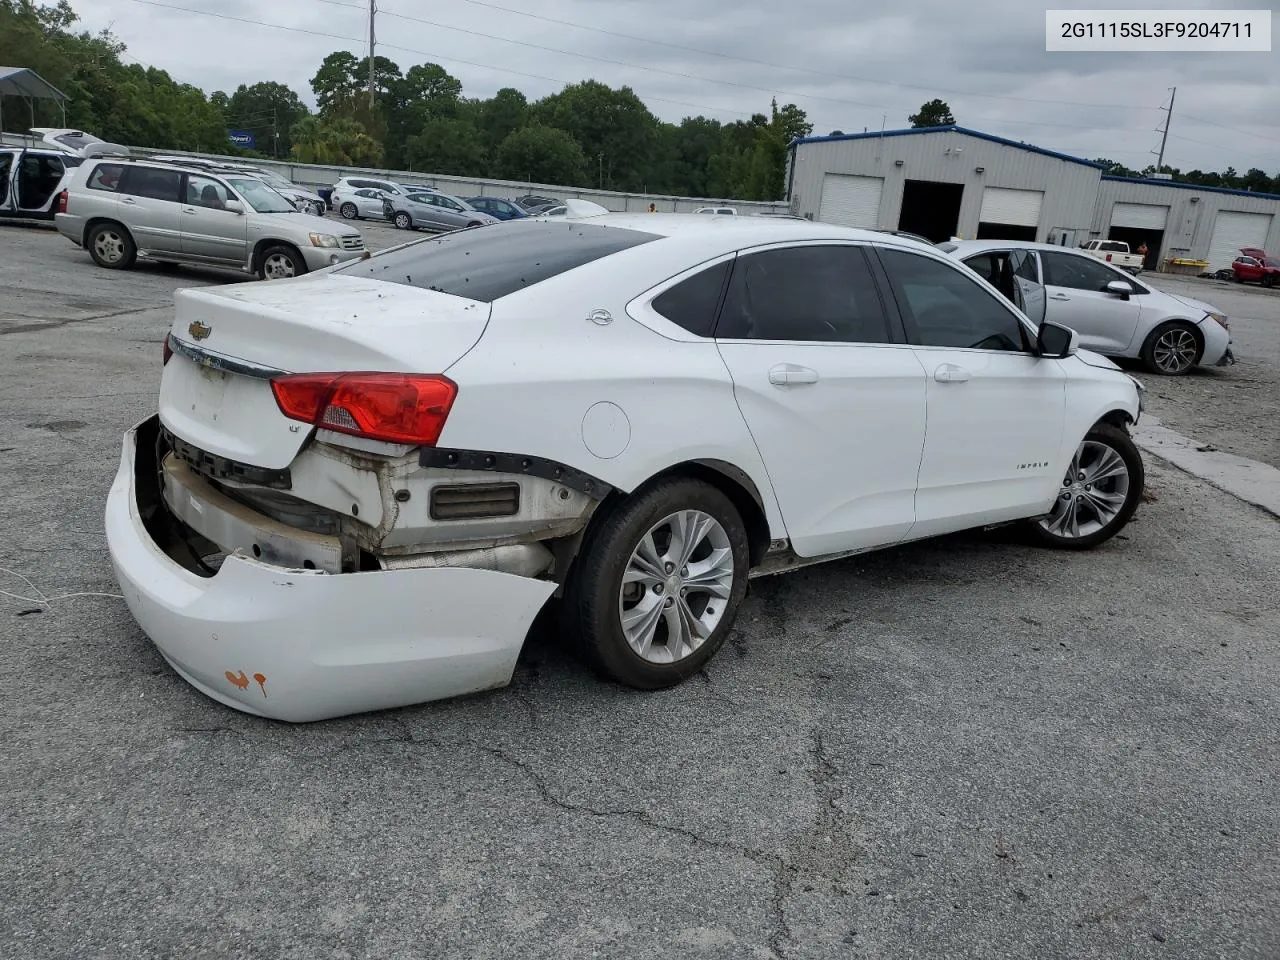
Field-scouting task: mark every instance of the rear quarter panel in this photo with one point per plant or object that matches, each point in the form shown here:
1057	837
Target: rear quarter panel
546	381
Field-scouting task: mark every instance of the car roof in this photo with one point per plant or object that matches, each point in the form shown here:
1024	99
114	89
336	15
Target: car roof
977	246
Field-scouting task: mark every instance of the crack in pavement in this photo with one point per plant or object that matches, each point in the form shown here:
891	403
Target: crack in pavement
55	324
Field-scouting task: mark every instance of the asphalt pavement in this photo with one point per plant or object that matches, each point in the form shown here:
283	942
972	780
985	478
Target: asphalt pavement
961	748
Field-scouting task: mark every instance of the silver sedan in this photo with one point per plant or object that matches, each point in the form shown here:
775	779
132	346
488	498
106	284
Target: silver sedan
433	211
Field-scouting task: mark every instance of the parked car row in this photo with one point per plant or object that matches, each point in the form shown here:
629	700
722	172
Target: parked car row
177	212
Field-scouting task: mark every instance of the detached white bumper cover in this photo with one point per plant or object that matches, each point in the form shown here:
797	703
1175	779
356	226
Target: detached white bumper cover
299	645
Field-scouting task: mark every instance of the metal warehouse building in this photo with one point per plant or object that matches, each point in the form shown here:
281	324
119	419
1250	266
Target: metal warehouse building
950	181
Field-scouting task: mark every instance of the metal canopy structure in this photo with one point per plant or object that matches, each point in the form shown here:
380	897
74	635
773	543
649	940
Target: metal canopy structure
30	86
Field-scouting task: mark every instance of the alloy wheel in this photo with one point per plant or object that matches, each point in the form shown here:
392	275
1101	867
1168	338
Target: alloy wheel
676	586
1093	492
278	266
109	246
1175	350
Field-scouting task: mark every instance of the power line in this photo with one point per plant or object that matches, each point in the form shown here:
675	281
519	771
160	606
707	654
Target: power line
1223	126
421	53
772	91
782	66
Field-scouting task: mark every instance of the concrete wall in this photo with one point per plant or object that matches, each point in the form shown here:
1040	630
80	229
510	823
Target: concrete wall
1069	188
314	175
1192	212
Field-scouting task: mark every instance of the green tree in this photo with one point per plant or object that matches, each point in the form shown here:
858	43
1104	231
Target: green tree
613	127
1114	169
1256	180
502	115
935	113
448	146
425	93
540	154
268	110
336	81
334	140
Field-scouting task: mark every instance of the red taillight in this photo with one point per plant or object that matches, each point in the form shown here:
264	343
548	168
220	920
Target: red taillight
62	202
1108	258
168	351
396	407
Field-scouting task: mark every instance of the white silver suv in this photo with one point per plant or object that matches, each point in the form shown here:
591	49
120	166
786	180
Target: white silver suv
122	210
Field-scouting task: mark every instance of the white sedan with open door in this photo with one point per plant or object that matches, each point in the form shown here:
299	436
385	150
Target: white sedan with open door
363	485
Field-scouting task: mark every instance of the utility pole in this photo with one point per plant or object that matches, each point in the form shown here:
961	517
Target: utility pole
373	10
1164	136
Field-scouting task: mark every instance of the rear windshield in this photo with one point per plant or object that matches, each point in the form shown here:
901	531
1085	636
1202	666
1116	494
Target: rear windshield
486	263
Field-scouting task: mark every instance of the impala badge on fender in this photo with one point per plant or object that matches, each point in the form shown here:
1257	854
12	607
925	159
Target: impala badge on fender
199	330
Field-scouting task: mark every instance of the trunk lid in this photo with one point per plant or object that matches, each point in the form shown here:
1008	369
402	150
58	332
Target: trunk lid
215	392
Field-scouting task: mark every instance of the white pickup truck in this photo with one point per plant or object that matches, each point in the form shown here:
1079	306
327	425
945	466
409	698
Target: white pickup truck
1114	252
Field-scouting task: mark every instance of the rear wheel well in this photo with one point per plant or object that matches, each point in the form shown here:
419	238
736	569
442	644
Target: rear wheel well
89	225
725	477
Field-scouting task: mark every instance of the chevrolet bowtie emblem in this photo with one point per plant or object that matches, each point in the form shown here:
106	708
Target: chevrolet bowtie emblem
199	330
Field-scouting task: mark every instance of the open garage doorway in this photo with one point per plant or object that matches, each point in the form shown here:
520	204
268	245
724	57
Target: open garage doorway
1006	231
931	209
1136	237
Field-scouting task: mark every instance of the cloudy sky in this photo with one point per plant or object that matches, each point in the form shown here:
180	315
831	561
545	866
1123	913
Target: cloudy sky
848	66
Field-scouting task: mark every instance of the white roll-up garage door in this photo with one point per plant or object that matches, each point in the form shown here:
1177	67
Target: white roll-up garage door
1020	207
851	201
1233	230
1147	216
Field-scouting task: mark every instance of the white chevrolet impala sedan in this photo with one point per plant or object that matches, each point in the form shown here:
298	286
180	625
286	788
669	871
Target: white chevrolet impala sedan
363	485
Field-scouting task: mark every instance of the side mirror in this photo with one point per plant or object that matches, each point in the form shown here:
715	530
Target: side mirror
235	206
1120	289
1056	341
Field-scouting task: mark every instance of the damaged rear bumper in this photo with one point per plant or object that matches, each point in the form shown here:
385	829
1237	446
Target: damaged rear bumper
302	645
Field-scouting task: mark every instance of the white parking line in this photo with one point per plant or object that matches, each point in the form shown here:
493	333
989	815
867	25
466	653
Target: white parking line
1251	481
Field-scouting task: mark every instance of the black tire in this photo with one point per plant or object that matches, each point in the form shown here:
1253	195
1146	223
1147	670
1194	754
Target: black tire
1268	280
111	245
594	600
1103	436
349	211
1168	351
403	221
271	263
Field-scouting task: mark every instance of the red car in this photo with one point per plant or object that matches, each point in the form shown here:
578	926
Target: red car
1254	266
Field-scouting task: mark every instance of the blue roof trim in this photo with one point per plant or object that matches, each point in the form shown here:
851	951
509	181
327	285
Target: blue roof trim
952	129
1181	185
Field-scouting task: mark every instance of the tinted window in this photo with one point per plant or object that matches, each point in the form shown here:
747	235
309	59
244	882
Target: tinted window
812	293
692	303
105	176
152	182
501	259
947	308
1078	273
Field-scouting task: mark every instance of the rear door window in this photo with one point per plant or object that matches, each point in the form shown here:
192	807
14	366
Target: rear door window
153	182
498	260
809	293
